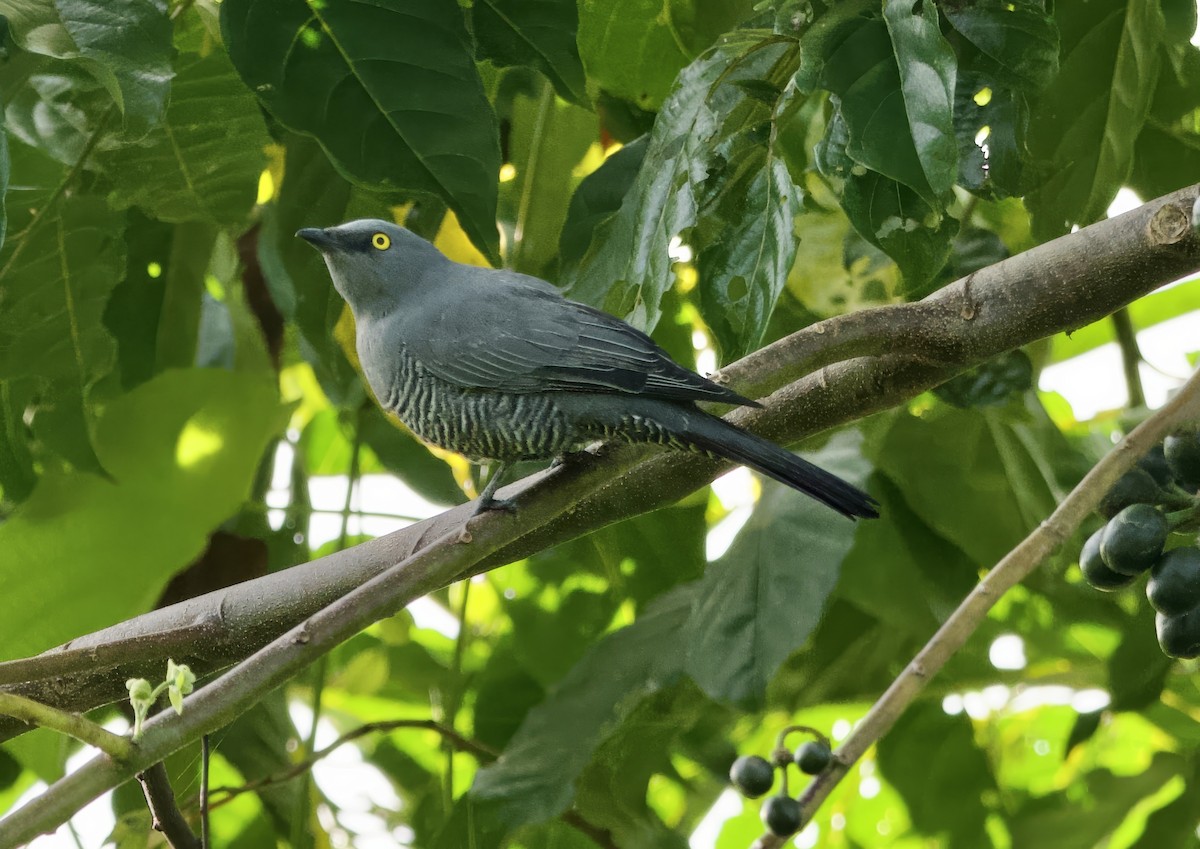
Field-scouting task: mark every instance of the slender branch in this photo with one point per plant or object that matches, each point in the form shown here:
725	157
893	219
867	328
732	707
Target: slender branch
64	722
205	758
1131	356
1010	571
902	350
160	798
449	735
602	837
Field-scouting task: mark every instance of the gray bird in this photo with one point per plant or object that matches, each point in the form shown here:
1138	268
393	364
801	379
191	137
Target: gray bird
499	366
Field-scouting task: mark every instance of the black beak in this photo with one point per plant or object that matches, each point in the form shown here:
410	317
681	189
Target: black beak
318	238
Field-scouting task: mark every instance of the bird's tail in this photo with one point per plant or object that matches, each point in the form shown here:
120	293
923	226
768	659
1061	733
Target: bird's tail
719	437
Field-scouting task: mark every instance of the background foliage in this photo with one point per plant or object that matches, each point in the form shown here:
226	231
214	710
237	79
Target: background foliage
721	173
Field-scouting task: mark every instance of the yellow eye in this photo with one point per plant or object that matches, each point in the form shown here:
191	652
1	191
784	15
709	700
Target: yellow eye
381	241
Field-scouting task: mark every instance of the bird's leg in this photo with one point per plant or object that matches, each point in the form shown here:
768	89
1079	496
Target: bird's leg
487	499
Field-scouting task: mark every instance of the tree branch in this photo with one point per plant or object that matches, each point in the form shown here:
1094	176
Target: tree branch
900	351
72	724
168	819
1014	568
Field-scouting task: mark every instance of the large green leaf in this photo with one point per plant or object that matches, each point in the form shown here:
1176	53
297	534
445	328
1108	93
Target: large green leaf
194	166
597	198
55	280
548	139
927	71
124	44
1019	40
931	757
746	229
761	601
630	49
1087	121
538	33
182	451
722	105
535	777
895	84
388	87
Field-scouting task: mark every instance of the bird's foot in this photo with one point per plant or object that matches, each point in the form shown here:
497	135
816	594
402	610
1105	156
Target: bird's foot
508	505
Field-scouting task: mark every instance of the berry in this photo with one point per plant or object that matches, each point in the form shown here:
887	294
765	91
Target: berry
1136	486
1155	463
1182	451
1133	540
1095	572
781	814
812	757
1179	636
752	775
1174	586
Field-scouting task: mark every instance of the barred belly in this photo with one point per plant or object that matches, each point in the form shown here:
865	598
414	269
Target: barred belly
478	423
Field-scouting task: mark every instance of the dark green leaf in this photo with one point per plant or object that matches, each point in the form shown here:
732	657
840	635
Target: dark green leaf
991	383
1003	121
55	281
630	49
195	167
927	73
760	602
1019	40
389	89
747	232
1173	826
1086	122
536	33
597	198
124	44
535	778
706	120
930	757
1138	669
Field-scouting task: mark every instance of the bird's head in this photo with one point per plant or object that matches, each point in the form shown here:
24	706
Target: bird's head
373	262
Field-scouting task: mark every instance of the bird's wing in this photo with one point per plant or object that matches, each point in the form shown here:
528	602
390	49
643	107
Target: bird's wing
520	335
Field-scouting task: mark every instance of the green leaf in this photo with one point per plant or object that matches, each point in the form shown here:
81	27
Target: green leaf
760	602
124	44
890	215
1087	121
853	53
1137	669
927	71
707	119
1071	819
930	757
55	281
537	33
388	88
597	198
535	777
56	108
630	49
1145	312
746	229
182	451
548	139
4	169
1019	41
194	167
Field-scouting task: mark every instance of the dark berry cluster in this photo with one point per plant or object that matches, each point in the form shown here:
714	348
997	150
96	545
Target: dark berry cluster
754	776
1134	540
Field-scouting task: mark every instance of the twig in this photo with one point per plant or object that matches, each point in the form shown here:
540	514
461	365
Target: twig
452	737
72	724
168	819
1010	571
1131	356
205	755
602	837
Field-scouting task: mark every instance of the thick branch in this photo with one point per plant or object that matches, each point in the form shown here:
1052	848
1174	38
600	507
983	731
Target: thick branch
1014	568
902	350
